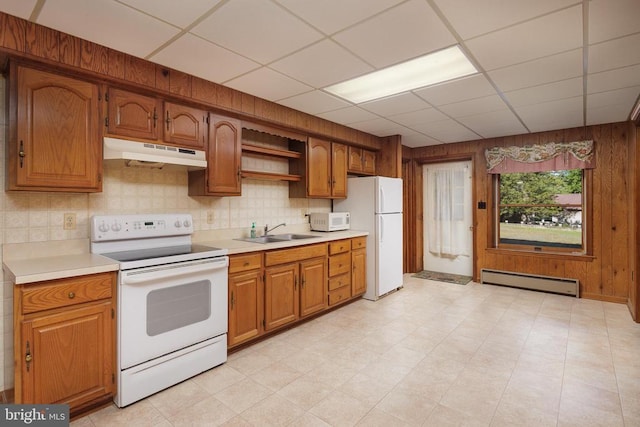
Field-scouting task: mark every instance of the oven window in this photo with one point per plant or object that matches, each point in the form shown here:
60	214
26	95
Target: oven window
178	306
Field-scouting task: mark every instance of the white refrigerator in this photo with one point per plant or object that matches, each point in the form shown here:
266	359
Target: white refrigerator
375	205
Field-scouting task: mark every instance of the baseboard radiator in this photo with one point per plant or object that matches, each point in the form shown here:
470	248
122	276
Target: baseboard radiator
535	282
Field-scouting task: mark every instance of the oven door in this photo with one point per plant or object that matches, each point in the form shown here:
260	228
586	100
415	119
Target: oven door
169	307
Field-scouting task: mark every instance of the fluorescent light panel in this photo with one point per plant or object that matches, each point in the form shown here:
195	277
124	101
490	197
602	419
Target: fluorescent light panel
427	70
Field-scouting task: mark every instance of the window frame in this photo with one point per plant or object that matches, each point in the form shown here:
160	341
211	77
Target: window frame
587	178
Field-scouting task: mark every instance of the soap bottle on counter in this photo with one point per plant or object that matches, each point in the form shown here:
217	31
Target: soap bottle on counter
253	230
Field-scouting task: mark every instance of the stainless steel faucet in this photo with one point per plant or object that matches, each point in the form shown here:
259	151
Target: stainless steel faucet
267	229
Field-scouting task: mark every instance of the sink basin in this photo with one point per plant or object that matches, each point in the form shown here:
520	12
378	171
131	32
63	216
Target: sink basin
277	238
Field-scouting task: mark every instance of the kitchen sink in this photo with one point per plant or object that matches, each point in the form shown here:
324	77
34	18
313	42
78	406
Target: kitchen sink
277	238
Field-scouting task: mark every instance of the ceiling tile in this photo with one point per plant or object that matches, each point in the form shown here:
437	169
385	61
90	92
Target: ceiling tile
540	71
414	139
348	115
457	90
614	54
205	64
314	102
550	34
612	106
20	8
446	131
561	114
330	16
474	106
322	64
609	19
415	118
404	32
181	14
548	92
108	23
494	123
378	126
491	15
268	84
257	29
613	79
396	104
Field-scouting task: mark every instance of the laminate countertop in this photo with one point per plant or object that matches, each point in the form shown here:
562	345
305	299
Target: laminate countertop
41	261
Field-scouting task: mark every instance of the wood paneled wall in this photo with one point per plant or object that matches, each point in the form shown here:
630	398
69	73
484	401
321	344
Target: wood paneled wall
56	50
604	274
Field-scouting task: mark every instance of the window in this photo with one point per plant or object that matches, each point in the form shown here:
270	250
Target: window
541	211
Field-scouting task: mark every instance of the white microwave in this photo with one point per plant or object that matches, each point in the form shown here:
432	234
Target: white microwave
330	221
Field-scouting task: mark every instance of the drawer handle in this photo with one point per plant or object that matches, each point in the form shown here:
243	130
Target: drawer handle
27	357
246	263
72	295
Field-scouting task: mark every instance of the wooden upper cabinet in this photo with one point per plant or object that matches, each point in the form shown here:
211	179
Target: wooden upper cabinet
132	115
338	170
224	160
319	168
185	126
54	142
326	169
361	161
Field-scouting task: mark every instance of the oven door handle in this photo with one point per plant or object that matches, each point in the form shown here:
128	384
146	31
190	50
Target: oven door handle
168	272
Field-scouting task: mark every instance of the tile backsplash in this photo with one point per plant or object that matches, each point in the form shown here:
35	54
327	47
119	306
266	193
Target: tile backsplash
34	217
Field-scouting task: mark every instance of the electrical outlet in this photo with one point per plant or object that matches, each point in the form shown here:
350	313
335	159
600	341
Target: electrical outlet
210	217
69	221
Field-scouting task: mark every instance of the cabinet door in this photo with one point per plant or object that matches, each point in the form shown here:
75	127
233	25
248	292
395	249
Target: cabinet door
68	357
319	168
245	309
313	286
281	295
132	115
224	156
368	162
355	159
358	271
185	126
339	171
57	145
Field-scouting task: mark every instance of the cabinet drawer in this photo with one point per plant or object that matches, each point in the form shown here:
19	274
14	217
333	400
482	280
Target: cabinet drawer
339	295
66	292
339	264
359	242
282	256
245	262
339	281
339	246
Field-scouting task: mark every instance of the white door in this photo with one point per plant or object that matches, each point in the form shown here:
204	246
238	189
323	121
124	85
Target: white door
448	232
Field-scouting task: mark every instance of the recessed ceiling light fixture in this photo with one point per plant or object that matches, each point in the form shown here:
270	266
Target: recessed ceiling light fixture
437	67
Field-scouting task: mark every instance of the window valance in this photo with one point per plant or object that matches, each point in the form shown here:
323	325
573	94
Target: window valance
541	157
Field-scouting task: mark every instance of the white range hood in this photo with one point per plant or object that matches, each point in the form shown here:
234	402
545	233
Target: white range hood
148	154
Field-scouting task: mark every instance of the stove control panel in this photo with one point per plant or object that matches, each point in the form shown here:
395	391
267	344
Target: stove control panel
126	227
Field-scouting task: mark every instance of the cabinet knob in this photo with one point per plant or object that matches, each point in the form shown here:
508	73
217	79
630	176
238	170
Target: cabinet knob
72	295
21	153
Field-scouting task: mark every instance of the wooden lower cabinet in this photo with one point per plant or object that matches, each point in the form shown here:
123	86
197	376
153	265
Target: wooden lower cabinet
246	296
271	289
64	345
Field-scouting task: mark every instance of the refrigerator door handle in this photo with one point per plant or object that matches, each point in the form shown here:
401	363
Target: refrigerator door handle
381	231
381	201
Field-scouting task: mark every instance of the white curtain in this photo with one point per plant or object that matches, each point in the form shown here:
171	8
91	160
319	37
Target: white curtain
445	211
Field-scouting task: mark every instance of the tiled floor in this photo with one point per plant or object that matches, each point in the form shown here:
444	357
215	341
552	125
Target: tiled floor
432	354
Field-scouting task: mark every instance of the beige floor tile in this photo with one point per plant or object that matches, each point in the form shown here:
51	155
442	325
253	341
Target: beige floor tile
142	413
412	408
218	378
207	412
82	422
250	363
340	409
305	392
442	416
177	398
273	411
331	374
308	420
378	418
581	404
517	412
401	355
244	394
276	376
366	389
237	421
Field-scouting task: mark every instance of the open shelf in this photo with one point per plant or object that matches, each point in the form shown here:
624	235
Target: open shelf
269	176
268	151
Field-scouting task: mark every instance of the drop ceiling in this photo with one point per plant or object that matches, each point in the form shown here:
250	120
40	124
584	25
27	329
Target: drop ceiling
543	64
